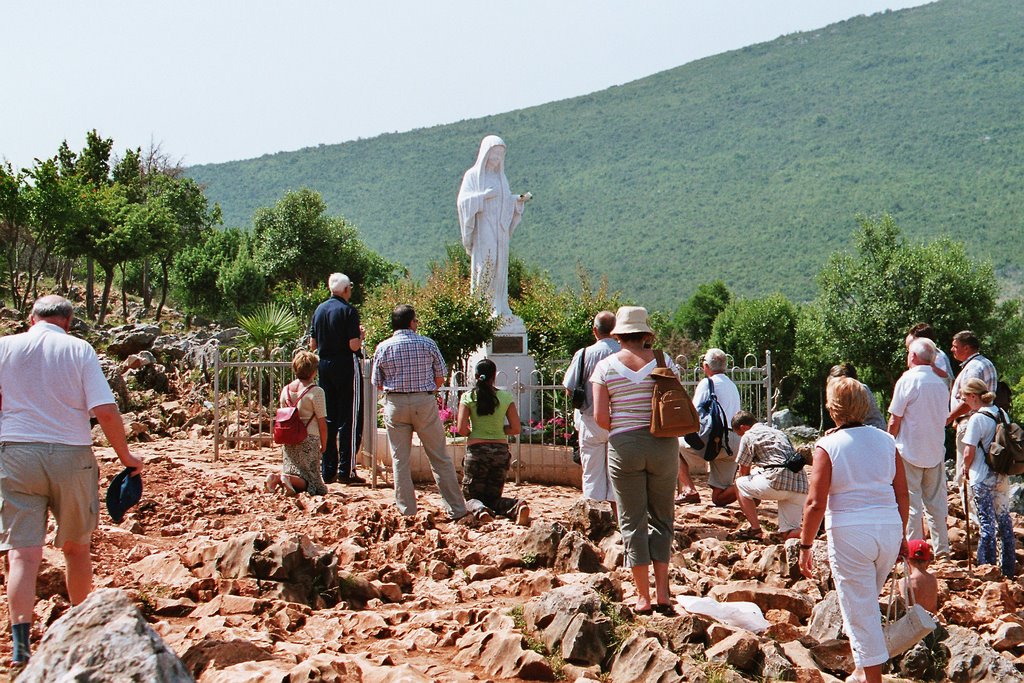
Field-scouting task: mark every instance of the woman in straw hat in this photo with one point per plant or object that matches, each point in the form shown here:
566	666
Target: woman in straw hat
991	490
642	467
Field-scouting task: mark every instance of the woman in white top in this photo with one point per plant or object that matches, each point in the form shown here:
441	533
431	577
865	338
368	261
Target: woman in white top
991	490
859	488
642	467
300	470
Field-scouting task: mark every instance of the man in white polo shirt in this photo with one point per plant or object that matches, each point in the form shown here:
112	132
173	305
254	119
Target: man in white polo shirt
50	382
917	418
722	470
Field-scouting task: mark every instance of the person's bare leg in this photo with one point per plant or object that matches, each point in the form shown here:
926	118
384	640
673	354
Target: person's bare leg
298	483
873	674
722	497
661	583
78	571
642	580
684	480
749	509
22	570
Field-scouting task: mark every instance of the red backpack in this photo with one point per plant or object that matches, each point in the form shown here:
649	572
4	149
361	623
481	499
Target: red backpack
288	428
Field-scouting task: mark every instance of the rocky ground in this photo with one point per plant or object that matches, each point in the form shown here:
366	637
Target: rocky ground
246	586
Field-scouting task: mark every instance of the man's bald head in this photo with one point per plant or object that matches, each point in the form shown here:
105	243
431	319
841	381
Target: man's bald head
604	323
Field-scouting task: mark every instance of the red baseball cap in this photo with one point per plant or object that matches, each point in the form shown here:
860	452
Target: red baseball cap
919	550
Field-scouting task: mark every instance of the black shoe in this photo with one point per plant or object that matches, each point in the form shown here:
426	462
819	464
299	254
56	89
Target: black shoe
352	479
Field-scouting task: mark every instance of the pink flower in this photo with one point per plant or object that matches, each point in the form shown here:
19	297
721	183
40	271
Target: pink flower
566	435
445	414
453	429
558	422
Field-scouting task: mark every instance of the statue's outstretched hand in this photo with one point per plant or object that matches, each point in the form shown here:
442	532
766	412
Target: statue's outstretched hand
490	193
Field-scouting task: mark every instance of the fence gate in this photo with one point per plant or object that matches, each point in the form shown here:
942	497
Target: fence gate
246	388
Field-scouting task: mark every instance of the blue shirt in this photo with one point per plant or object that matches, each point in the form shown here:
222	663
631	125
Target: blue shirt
407	362
335	323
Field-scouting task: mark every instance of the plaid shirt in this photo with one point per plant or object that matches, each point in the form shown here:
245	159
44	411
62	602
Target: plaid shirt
407	362
975	366
764	445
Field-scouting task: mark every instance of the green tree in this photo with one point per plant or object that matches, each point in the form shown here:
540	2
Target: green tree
559	320
92	165
756	325
870	297
197	267
696	315
296	241
191	217
460	322
14	233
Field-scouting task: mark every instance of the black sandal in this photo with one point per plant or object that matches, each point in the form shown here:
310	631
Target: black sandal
666	609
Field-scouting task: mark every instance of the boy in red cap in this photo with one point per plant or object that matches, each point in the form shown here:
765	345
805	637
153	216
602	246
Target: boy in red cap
925	585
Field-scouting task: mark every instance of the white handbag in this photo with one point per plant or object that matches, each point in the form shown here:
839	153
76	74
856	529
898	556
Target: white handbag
907	631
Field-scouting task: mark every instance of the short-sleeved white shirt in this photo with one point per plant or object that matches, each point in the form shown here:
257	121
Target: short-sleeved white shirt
921	399
863	466
49	381
980	431
725	391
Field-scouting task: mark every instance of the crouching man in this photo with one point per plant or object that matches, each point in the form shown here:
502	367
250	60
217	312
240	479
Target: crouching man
766	450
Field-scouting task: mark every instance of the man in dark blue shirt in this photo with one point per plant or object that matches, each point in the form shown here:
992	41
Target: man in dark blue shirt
337	336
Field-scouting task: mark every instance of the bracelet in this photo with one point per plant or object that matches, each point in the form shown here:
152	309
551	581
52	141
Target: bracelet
804	546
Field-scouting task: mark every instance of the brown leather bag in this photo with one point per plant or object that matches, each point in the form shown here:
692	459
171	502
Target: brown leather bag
672	411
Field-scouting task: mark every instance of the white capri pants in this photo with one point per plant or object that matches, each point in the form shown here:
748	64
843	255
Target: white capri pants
861	558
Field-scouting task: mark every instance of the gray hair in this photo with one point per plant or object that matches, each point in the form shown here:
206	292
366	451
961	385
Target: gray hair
604	322
924	349
52	306
716	360
338	283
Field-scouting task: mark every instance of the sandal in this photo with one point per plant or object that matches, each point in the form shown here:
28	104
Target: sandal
644	612
748	534
687	498
665	609
271	483
523	514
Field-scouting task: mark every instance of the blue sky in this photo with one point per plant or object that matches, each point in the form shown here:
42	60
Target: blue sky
232	79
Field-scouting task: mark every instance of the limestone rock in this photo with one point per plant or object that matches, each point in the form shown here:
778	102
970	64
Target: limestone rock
551	614
642	659
591	518
538	545
584	639
739	650
576	554
833	656
971	659
502	654
129	339
764	596
774	665
100	640
826	619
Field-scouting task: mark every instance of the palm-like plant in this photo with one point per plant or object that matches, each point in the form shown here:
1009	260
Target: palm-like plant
270	325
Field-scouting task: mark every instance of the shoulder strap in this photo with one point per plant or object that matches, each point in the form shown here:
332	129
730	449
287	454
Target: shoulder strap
581	381
288	389
659	357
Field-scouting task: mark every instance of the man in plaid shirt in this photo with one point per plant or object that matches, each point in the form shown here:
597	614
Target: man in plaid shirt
767	449
408	369
966	349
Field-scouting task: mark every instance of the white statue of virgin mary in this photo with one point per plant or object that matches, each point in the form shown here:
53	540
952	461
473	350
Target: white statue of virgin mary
488	214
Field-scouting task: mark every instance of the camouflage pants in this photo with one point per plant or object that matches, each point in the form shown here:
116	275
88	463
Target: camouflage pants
484	476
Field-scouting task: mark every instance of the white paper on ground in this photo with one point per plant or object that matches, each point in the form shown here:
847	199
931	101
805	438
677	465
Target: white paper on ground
744	615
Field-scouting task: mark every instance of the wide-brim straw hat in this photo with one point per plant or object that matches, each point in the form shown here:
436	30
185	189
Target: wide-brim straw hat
631	319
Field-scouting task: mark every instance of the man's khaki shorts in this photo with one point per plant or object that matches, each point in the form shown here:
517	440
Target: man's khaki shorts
721	471
36	477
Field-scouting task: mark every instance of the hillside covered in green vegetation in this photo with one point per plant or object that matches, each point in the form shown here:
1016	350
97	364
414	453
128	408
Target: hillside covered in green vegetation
749	166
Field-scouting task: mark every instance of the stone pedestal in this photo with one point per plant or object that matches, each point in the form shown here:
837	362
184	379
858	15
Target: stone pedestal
509	349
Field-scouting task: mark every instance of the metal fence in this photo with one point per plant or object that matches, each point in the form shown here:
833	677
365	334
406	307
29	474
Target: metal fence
247	387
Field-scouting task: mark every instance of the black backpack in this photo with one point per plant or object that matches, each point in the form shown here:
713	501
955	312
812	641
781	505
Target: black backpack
715	432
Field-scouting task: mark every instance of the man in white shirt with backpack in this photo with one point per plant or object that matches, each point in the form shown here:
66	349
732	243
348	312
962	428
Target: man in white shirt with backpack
722	469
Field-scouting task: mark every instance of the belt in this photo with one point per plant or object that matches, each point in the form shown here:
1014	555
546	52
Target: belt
406	393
